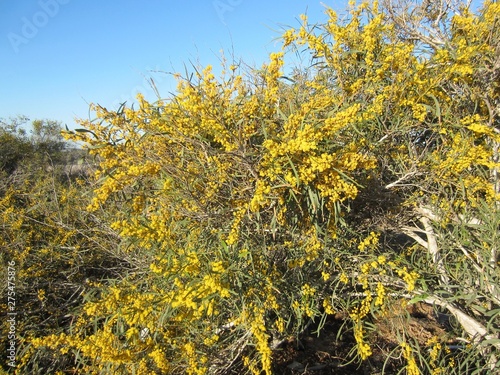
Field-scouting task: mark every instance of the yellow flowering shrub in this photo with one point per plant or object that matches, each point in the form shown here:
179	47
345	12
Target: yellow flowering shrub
255	206
54	249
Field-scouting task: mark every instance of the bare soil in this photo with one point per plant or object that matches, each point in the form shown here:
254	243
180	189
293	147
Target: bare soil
332	352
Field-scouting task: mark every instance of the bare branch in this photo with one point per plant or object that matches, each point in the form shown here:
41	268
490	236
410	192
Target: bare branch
474	329
433	248
401	179
411	232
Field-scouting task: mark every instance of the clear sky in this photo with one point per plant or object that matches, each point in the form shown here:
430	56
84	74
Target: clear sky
57	56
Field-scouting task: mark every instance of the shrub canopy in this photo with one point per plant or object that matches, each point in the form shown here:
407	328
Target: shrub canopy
258	204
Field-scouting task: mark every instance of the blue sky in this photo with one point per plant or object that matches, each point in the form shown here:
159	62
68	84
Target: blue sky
57	56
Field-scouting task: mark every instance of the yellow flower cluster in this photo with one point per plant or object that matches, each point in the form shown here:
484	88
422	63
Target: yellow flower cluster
381	294
259	332
410	278
363	309
364	349
238	217
435	349
195	362
158	356
411	364
308	291
280	324
195	296
370	242
259	198
328	308
343	278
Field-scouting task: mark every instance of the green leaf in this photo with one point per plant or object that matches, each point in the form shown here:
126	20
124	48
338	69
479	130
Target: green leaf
420	298
81	130
490	342
437	109
492	312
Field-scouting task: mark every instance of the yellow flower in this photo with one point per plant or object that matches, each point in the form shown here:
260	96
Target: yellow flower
308	290
411	364
381	293
364	349
280	324
328	307
409	277
41	295
370	242
343	278
217	267
210	341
